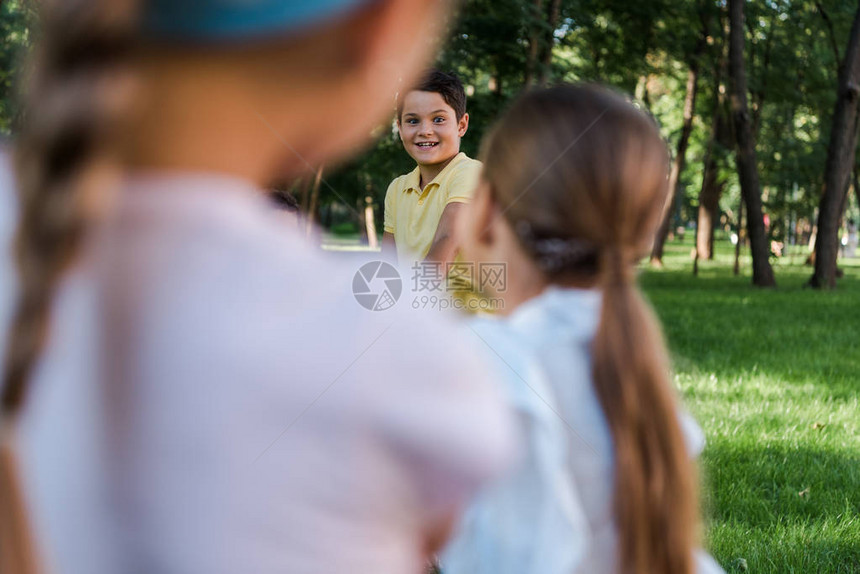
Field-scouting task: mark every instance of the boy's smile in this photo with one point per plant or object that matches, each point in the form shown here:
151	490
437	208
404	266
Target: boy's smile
429	128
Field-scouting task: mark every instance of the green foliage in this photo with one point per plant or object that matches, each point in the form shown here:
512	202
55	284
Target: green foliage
772	377
614	42
645	50
641	48
610	40
14	39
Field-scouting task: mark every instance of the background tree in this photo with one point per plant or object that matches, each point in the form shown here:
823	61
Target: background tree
719	142
680	159
840	161
746	154
645	49
14	40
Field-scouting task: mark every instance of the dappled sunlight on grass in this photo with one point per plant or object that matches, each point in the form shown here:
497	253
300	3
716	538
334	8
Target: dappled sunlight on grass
773	376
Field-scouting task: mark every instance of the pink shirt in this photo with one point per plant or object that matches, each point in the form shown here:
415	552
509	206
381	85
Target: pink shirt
215	400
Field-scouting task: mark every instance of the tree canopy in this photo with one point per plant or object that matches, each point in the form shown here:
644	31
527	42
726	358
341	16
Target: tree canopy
793	50
792	56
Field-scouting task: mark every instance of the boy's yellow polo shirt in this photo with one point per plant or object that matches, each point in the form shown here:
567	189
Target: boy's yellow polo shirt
413	214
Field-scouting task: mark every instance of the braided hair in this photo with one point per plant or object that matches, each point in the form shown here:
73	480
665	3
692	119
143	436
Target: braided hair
64	160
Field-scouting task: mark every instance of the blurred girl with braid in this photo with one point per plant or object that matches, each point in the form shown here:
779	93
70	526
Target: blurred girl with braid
571	194
186	388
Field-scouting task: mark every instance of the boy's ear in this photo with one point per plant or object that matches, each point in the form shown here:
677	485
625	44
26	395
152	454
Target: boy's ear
463	125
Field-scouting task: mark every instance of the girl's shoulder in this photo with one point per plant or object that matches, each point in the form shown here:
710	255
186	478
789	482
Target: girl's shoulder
557	313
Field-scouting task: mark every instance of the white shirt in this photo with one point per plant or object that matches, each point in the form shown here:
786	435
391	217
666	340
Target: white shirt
553	514
215	400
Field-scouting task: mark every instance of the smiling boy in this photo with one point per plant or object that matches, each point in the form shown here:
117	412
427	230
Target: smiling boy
422	205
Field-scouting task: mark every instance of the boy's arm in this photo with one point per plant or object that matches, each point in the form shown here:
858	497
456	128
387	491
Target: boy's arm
444	243
389	247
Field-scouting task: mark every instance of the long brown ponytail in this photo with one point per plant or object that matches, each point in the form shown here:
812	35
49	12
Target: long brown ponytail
63	161
72	106
580	167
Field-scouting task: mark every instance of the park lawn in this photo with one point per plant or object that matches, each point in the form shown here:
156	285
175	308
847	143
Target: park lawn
773	376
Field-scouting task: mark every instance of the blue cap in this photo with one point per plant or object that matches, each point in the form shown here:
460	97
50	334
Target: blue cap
231	20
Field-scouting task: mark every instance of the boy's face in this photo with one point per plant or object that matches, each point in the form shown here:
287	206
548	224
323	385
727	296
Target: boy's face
429	128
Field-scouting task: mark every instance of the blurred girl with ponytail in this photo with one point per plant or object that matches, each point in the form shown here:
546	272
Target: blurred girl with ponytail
186	388
572	191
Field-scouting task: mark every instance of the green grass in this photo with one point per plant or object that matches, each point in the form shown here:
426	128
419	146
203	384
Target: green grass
773	376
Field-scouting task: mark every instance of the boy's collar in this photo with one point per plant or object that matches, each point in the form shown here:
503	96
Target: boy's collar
413	180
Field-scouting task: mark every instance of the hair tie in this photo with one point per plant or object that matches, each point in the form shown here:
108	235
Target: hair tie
554	254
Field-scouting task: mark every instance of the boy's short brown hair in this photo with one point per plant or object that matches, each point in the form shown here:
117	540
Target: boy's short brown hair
447	85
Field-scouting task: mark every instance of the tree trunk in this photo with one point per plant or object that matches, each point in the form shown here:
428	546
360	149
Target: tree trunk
840	161
856	187
680	154
312	217
549	41
813	236
370	224
712	188
746	156
721	135
304	185
534	42
495	83
740	233
641	93
832	35
709	204
709	195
